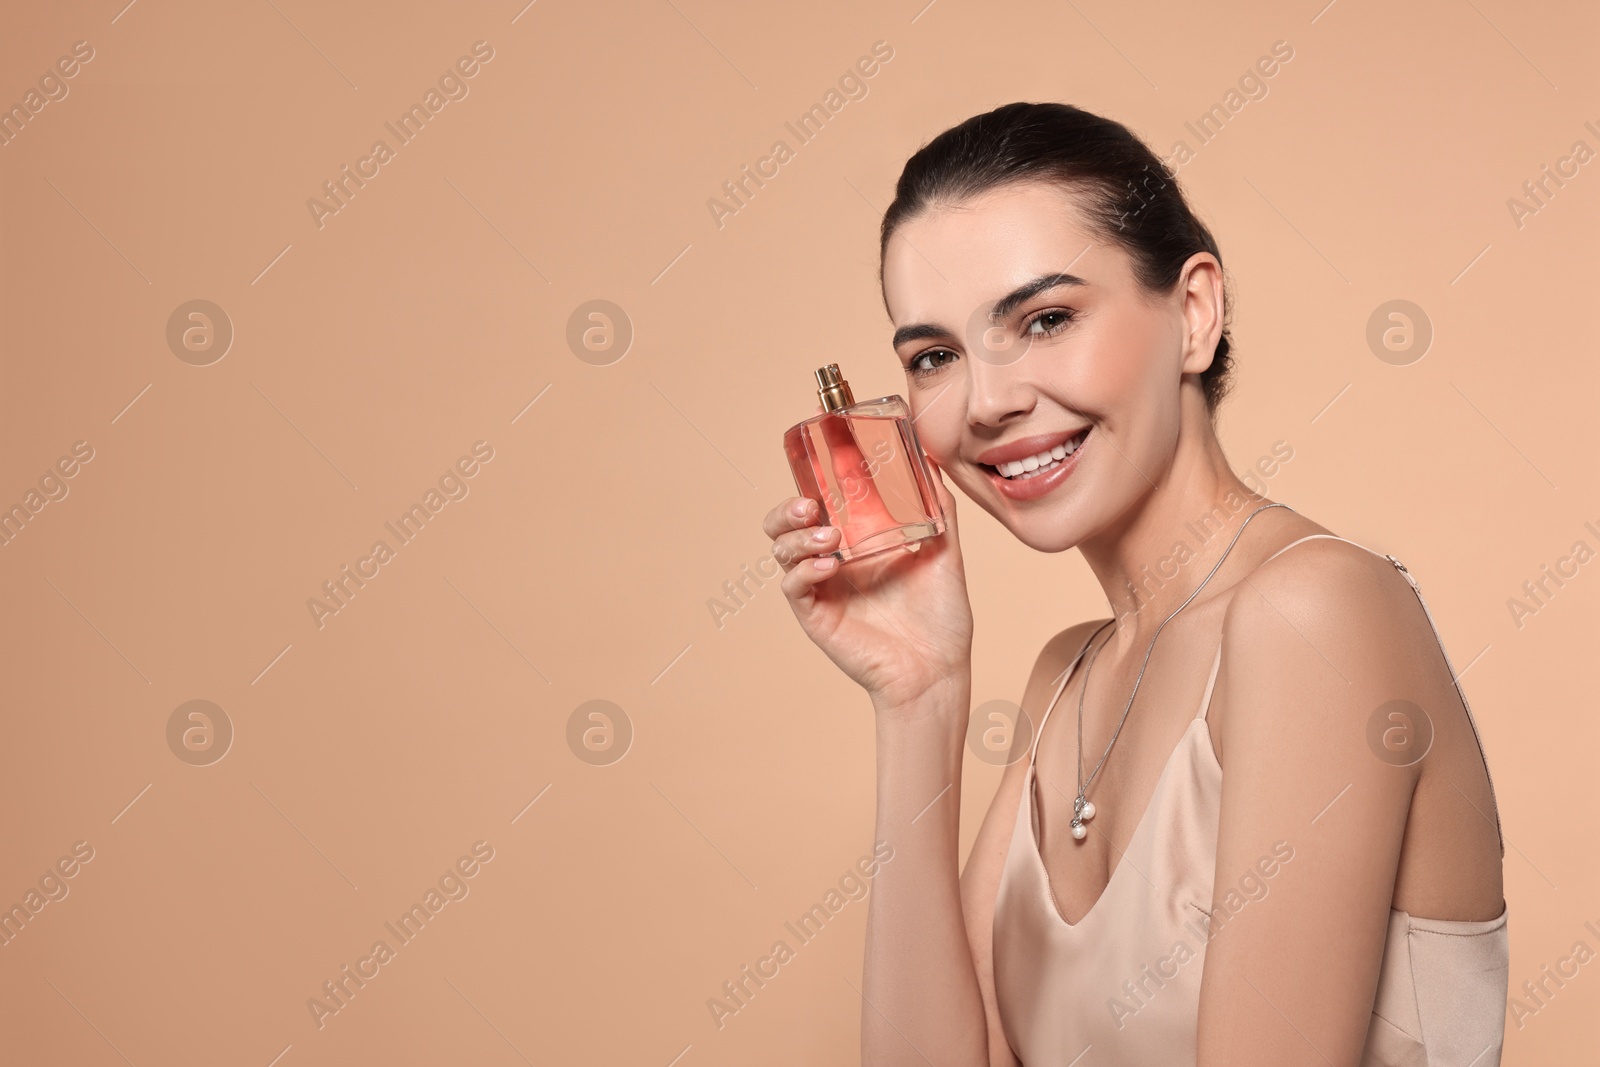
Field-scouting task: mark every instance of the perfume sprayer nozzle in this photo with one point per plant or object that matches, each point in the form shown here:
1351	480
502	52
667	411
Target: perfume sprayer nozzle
832	390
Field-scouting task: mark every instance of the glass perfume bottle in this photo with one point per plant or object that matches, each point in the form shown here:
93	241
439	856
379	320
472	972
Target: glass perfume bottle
863	464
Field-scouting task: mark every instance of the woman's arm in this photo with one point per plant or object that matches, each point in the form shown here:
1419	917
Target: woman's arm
900	625
930	939
1312	817
922	1001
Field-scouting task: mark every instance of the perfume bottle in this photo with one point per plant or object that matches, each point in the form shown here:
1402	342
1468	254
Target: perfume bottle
863	464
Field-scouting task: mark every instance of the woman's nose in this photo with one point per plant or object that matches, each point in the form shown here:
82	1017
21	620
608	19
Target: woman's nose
999	389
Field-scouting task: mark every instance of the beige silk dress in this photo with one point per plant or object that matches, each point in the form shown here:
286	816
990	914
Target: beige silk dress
1121	987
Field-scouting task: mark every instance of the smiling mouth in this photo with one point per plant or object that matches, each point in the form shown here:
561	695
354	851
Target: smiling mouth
1033	466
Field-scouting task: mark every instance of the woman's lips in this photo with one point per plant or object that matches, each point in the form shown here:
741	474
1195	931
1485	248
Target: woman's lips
1032	486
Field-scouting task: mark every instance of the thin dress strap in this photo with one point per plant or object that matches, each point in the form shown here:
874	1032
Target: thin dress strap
1066	676
1313	537
1211	683
1438	640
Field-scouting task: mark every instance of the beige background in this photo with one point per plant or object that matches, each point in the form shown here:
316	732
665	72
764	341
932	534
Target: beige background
425	316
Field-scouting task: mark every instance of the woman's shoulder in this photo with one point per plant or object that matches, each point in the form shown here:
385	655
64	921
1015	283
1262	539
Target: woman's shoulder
1327	622
1313	579
1049	668
1059	652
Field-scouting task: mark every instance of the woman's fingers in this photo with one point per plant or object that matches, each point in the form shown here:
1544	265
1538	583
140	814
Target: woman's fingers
804	551
805	543
793	513
800	547
806	573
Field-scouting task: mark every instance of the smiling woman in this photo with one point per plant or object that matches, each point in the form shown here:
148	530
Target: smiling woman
1061	320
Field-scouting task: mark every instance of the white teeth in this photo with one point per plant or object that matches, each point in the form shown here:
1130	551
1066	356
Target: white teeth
1042	462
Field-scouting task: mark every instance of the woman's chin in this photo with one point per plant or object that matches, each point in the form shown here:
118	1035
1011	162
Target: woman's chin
1046	540
1038	532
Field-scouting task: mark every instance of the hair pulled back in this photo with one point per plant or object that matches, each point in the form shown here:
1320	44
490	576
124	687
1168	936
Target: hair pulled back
1129	196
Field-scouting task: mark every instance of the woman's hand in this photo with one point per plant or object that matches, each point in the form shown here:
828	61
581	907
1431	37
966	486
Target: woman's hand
898	623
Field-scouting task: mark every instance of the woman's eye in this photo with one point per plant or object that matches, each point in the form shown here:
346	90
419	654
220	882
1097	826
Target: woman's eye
1048	322
925	363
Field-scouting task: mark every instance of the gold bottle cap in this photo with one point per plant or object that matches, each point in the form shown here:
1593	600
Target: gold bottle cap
832	390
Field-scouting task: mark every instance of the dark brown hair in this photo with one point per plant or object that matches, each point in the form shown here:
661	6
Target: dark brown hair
1130	196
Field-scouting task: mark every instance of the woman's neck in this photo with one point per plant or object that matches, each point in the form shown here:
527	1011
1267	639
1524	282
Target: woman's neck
1159	551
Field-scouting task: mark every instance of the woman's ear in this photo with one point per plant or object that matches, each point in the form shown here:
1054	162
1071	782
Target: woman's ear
1202	303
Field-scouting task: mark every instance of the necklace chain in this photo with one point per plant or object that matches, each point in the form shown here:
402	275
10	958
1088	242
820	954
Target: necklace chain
1082	809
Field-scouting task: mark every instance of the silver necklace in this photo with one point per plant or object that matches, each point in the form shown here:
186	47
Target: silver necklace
1082	808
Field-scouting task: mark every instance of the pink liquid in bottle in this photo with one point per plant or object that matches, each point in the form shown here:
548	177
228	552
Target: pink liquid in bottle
863	464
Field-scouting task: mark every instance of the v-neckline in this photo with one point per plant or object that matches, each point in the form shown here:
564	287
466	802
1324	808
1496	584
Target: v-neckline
1031	788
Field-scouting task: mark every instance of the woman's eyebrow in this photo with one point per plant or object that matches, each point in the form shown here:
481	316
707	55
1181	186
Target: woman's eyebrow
1042	284
1002	307
919	332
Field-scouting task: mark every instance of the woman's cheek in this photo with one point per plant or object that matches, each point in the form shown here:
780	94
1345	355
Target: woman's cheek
946	450
1118	360
939	441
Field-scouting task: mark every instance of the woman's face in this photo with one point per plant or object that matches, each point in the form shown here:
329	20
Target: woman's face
1025	337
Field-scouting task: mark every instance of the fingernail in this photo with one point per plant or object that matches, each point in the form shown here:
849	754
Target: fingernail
825	563
822	534
802	509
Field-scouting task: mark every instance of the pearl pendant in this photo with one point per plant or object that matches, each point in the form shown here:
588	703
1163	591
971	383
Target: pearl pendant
1088	810
1079	831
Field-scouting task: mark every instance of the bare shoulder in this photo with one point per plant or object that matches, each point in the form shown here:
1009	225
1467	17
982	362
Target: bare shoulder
1334	686
1043	680
1053	659
1329	628
981	876
1327	589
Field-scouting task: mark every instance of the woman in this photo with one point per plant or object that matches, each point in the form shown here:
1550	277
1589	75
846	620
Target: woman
1286	850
